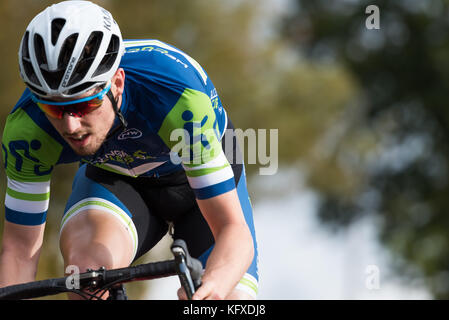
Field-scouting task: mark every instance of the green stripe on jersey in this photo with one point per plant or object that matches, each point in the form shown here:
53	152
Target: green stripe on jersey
249	284
107	206
202	172
28	196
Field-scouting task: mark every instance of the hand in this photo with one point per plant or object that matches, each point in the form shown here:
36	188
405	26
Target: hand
206	291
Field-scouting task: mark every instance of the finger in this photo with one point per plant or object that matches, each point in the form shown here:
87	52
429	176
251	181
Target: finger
214	296
182	294
203	291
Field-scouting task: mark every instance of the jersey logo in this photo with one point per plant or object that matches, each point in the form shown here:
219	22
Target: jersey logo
192	127
23	145
130	134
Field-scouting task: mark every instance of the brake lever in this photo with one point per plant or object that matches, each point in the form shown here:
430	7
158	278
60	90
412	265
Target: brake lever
189	269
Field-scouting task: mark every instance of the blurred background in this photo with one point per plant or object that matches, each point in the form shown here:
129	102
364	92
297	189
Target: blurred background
358	208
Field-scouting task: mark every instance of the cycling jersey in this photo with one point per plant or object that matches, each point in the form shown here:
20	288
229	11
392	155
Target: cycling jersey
165	90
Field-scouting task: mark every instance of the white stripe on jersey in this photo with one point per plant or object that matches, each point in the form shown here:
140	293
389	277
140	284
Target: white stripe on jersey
29	187
26	206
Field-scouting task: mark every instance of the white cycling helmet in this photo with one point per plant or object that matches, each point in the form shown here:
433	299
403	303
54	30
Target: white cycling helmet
69	48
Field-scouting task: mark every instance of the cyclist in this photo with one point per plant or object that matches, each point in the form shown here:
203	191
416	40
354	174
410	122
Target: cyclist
145	123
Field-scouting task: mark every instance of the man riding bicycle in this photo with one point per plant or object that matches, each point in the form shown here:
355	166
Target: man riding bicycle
145	123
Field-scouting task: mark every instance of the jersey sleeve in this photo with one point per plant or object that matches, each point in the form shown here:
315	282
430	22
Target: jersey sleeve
29	155
191	131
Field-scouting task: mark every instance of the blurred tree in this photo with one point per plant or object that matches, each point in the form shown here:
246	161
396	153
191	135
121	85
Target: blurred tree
388	155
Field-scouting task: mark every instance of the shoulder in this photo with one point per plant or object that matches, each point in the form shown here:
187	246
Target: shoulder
31	146
170	87
162	63
26	120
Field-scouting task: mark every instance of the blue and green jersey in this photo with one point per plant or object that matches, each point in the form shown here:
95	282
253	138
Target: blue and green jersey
175	121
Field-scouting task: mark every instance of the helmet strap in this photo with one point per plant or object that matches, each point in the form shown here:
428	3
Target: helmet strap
117	111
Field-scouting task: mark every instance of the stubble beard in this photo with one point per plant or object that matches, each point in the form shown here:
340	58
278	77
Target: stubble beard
93	146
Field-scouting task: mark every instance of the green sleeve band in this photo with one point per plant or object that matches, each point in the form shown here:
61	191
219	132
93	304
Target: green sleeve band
28	196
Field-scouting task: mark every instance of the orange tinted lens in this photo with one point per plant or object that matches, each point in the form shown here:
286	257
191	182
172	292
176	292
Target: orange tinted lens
52	111
93	104
83	108
76	109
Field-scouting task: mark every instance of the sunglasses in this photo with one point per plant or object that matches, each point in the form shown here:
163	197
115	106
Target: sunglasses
76	108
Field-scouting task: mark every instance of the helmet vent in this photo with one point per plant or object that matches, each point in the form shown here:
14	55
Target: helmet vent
26	61
67	50
39	47
81	87
36	90
52	77
87	57
56	27
109	58
25	52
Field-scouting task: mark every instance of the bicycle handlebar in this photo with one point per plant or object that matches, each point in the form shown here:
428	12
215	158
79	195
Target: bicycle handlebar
187	268
34	289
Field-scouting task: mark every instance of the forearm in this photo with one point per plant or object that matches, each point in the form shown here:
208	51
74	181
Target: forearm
15	269
230	258
233	250
20	251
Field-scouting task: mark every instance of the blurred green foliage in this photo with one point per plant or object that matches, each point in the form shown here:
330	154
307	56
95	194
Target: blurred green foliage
392	142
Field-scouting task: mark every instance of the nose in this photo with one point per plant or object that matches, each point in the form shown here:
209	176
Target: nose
70	123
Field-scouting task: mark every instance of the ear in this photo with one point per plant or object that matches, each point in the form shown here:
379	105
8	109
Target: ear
118	82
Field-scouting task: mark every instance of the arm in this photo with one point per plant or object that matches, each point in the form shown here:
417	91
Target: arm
191	130
233	251
19	256
29	155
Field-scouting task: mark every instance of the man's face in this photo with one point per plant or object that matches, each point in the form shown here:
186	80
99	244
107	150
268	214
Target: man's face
85	135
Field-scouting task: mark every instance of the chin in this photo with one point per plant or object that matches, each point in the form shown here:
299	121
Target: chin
89	149
86	151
